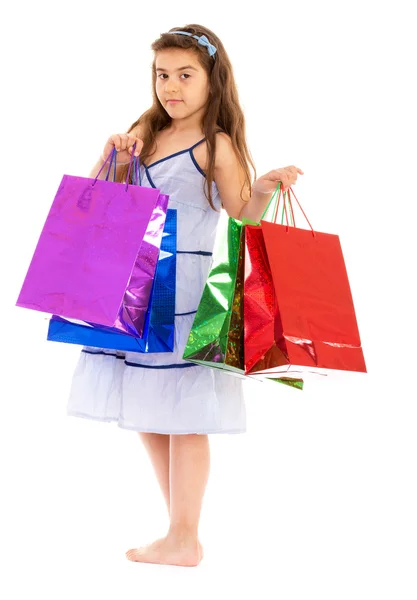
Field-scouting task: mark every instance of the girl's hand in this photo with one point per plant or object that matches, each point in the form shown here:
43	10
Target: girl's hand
123	142
268	183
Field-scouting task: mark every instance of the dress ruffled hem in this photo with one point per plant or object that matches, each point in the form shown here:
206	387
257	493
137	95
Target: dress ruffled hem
120	423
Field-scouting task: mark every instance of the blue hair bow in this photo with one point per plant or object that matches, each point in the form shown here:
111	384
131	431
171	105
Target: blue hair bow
201	40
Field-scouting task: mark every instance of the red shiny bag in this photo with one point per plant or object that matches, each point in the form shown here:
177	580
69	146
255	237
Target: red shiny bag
298	308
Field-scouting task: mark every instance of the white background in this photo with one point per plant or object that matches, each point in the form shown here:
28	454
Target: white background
318	499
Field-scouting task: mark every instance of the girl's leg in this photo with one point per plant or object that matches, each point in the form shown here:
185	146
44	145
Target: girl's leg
190	467
157	446
189	470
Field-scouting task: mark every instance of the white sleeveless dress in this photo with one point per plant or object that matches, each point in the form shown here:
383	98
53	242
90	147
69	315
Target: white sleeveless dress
161	392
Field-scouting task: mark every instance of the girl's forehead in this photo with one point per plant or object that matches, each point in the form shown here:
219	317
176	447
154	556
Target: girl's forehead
173	58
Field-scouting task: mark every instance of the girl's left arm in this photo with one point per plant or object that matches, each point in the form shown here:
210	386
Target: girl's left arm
229	178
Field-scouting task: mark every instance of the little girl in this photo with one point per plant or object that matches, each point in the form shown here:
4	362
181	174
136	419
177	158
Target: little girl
192	146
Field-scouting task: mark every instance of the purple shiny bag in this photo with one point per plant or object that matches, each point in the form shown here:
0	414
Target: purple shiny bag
97	253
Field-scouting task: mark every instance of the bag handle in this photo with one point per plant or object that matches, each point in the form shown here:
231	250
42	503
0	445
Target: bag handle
136	172
301	208
273	198
284	208
277	199
113	155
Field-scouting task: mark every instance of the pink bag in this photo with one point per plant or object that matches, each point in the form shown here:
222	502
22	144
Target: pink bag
97	253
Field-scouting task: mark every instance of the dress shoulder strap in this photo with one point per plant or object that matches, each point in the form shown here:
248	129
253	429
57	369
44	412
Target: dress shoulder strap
201	141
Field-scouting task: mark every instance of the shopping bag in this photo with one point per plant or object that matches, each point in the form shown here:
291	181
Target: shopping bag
160	319
96	256
207	343
305	321
216	338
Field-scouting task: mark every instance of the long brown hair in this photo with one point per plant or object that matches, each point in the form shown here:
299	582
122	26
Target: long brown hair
223	110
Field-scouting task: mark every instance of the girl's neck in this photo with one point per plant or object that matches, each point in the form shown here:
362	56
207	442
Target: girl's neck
183	131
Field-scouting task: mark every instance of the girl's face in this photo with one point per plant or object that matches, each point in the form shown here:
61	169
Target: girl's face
179	76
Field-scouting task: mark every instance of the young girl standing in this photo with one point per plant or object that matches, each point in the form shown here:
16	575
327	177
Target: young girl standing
192	147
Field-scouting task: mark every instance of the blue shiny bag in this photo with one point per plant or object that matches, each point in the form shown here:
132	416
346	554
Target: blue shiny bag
158	335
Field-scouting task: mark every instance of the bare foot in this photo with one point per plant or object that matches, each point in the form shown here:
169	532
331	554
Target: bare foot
158	542
167	551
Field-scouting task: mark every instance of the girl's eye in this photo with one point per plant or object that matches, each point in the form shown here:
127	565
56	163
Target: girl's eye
161	75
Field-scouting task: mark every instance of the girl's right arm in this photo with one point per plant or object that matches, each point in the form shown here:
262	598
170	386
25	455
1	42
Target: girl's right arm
123	143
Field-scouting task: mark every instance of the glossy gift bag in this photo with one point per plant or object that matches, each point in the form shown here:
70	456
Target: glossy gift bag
160	319
298	307
208	341
216	338
96	256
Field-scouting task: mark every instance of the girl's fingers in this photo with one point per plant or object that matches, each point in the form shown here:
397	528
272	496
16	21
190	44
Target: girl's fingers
117	141
109	144
124	138
139	145
125	142
286	181
129	144
279	175
287	176
295	169
131	140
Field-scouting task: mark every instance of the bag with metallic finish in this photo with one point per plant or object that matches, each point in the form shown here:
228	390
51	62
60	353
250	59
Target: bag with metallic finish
298	307
217	335
159	327
96	256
